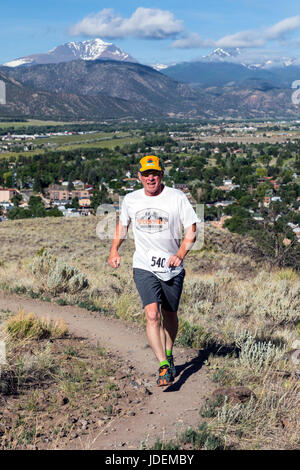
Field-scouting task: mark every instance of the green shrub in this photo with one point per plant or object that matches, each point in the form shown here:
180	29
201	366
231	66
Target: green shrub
278	301
255	355
237	413
221	377
190	335
43	263
57	276
66	278
200	290
159	445
209	410
19	290
202	438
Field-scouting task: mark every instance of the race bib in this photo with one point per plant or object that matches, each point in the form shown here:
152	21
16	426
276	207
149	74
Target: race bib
157	261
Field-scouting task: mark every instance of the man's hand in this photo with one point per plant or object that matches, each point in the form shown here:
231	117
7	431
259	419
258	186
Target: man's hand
174	261
114	257
114	260
186	245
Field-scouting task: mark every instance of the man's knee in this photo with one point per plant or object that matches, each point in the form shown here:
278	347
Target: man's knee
152	314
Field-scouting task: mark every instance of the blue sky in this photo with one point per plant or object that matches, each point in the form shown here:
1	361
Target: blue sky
153	31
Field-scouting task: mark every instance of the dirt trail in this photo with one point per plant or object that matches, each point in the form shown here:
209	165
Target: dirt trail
167	410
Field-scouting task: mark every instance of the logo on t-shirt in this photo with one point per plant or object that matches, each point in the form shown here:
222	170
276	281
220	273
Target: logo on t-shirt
152	220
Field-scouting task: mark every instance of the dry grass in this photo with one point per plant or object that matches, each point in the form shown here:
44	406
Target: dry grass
230	299
23	326
224	305
67	238
56	390
270	420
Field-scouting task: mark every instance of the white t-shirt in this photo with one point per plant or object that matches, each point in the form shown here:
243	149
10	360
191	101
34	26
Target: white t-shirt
157	228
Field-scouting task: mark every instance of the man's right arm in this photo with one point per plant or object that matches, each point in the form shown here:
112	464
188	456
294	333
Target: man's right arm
119	236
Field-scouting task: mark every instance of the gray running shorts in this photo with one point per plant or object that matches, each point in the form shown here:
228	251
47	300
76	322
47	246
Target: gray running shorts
152	289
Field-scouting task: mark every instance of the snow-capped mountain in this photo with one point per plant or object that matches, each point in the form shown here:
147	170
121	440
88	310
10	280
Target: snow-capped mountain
243	57
160	67
222	55
279	62
86	50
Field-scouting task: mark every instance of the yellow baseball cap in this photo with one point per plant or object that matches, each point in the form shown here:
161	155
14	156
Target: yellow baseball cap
150	162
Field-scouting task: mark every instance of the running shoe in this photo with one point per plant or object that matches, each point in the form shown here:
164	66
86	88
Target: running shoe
165	376
172	366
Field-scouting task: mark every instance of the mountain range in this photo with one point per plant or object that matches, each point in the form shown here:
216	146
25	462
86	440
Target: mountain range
22	101
89	88
87	50
235	55
124	80
96	49
222	73
224	66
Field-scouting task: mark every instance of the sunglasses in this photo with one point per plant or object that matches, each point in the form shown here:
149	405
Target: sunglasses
151	172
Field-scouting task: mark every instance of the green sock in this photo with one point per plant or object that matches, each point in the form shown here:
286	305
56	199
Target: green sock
169	352
164	363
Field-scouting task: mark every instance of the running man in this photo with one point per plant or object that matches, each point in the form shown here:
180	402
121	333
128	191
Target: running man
157	213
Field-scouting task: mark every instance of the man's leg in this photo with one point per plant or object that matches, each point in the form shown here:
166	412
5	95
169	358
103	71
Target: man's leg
157	341
155	331
150	290
171	296
170	325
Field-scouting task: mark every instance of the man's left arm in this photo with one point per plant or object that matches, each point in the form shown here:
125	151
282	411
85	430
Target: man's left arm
185	247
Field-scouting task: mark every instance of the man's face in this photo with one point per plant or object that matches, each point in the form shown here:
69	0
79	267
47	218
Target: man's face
151	180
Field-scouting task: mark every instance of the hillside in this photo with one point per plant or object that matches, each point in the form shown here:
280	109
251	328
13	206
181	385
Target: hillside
214	73
106	89
238	316
206	74
23	100
129	81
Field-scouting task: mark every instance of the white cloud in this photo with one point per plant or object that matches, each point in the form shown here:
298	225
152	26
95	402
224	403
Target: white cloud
144	23
192	41
242	39
279	29
256	38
